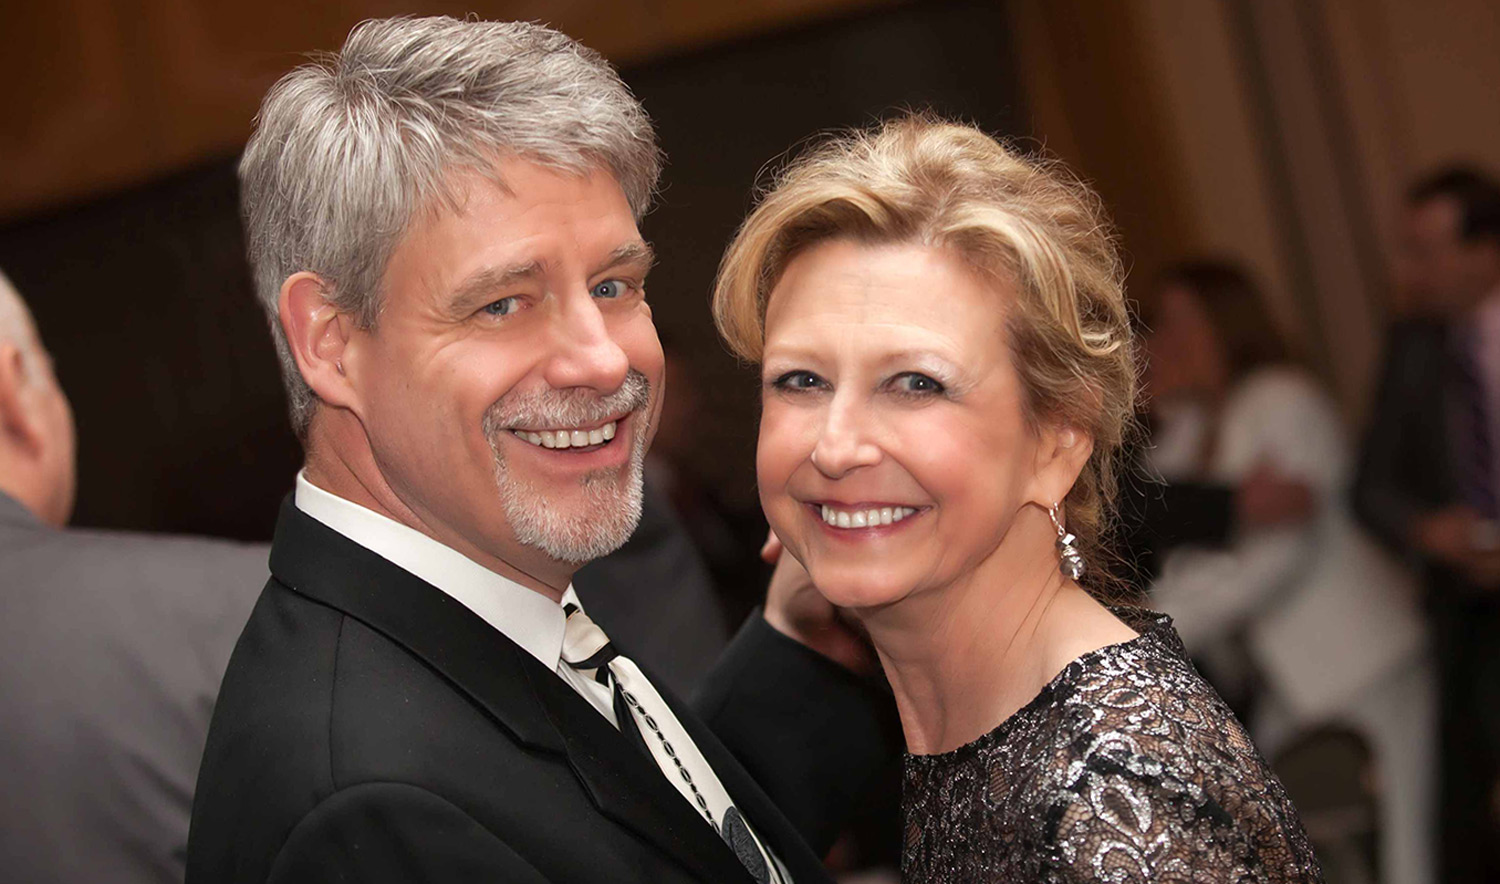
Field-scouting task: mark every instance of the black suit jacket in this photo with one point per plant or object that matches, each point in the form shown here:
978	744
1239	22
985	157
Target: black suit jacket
371	728
1406	460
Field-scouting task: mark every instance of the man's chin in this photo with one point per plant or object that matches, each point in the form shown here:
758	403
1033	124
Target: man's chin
593	521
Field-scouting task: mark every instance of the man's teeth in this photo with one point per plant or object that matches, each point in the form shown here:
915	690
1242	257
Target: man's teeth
865	518
569	438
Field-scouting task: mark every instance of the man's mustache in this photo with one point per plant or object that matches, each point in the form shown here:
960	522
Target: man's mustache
567	408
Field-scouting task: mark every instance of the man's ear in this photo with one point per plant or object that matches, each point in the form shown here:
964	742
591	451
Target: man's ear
1061	454
318	335
20	425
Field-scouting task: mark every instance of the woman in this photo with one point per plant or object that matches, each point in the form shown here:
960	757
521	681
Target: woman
948	372
1329	626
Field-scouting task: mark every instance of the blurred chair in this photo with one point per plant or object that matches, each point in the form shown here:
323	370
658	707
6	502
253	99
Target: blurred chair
1329	773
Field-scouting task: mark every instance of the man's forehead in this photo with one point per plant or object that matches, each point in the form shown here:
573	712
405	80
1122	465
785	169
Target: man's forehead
515	177
521	218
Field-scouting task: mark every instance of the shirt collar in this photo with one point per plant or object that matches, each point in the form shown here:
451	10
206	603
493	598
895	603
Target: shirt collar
524	616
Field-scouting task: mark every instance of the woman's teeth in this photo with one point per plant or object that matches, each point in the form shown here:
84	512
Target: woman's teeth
569	438
865	518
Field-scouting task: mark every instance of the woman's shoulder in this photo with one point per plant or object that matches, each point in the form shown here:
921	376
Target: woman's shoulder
1146	755
1127	759
1145	696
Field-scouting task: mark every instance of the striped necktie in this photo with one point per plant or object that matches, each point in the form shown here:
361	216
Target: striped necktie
646	720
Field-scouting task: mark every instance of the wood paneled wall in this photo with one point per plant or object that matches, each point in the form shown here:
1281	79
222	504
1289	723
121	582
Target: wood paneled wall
99	94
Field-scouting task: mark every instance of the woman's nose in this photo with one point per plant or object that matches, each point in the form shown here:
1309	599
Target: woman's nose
584	352
846	442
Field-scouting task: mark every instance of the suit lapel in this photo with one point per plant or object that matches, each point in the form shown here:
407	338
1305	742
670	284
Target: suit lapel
533	705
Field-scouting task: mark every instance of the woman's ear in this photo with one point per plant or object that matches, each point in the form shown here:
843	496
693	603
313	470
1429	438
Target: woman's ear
1061	455
318	335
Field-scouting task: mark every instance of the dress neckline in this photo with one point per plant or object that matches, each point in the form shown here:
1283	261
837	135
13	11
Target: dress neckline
1151	627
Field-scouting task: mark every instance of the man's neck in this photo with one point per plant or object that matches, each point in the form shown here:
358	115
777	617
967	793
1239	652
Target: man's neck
346	467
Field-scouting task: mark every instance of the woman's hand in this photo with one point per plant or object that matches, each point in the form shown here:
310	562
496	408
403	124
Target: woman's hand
796	609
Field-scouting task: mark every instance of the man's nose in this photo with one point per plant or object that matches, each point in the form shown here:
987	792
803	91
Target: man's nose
584	353
846	442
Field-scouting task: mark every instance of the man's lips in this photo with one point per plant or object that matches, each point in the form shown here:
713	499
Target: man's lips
569	437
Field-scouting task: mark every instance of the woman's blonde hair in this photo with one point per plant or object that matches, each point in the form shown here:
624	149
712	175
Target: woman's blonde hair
1025	223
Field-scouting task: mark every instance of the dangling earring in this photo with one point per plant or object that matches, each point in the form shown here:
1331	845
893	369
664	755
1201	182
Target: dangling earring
1071	560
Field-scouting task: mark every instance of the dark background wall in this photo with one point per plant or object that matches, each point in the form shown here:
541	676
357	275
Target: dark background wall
144	298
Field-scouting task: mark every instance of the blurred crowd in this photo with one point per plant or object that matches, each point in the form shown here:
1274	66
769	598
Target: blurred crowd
1339	585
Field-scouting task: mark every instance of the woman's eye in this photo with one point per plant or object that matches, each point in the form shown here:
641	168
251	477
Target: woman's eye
502	307
797	380
610	288
915	382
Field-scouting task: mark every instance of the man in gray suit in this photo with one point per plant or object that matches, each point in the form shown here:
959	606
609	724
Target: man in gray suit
112	647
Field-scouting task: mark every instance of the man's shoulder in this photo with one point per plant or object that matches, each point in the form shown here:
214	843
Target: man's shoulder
95	560
144	614
308	680
320	711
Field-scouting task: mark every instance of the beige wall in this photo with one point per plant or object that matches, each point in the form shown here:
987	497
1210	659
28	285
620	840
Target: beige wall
1283	133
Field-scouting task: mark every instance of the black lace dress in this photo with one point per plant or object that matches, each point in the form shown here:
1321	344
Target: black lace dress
1127	767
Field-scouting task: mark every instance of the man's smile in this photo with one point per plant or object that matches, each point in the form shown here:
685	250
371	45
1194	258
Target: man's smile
569	437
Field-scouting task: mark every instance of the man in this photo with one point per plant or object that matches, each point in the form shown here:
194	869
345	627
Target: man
111	650
442	223
1429	480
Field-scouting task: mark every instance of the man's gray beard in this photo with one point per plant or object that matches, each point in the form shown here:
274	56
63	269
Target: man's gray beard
611	505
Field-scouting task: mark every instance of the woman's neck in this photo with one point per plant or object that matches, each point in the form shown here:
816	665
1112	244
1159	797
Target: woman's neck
964	657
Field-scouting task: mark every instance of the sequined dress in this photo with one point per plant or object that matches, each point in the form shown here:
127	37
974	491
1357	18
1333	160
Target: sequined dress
1127	767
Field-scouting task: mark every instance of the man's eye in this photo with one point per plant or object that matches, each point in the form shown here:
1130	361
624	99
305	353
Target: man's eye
797	380
916	382
502	307
610	288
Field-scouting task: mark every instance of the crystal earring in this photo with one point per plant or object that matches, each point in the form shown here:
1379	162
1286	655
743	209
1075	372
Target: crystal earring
1071	560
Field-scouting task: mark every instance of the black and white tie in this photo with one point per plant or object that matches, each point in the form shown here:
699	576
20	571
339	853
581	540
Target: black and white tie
646	720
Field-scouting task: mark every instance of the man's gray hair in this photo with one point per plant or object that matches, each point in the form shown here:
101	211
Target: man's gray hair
349	148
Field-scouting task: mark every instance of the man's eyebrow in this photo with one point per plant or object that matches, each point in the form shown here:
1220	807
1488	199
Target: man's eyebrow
637	252
483	283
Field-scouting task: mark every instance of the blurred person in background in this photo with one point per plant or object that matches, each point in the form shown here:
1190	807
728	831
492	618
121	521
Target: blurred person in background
1323	624
1429	479
1158	516
111	650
